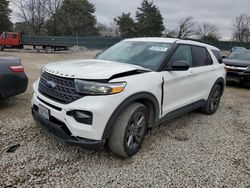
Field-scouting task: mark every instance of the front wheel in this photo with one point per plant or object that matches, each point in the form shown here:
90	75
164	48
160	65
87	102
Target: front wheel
129	130
213	101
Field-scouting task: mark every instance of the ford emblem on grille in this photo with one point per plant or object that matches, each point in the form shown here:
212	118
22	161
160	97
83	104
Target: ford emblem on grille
51	84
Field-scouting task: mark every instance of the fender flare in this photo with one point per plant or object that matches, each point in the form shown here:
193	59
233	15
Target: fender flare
138	96
220	81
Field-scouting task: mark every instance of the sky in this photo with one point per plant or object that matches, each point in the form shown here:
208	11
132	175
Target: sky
218	12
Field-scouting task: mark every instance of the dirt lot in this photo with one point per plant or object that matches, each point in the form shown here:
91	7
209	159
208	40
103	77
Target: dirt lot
193	150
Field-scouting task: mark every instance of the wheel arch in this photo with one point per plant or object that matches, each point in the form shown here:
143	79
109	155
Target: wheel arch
221	82
145	98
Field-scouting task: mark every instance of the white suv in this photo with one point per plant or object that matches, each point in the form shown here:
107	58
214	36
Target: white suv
127	89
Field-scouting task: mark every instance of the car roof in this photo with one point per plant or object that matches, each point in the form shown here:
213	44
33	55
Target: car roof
152	39
171	40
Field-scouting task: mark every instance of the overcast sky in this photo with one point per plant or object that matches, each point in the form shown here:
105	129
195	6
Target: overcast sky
218	12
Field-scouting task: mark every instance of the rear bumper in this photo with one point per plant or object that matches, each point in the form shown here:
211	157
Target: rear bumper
13	84
59	131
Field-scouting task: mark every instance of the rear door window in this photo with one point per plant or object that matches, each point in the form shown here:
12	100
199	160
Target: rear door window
217	55
201	56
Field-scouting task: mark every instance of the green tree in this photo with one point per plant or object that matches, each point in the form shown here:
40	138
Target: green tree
76	18
52	24
22	27
149	20
5	23
126	25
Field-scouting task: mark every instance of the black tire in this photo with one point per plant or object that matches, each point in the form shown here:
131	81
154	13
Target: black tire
213	101
129	130
1	48
49	49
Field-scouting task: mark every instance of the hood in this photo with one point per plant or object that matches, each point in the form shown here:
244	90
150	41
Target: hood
236	62
91	69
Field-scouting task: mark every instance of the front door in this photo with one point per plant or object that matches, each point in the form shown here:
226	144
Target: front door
179	86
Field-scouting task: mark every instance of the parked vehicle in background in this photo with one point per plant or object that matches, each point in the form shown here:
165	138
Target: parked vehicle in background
15	40
237	48
13	80
238	66
127	89
54	43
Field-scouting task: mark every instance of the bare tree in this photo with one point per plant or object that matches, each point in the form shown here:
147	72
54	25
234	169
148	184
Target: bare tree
169	33
241	26
186	28
33	12
207	31
52	6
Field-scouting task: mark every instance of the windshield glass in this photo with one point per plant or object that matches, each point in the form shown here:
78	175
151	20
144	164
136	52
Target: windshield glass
241	55
146	54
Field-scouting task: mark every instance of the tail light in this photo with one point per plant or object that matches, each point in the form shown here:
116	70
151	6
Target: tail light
17	68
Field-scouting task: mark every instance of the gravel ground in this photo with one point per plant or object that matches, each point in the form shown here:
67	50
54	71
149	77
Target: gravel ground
192	151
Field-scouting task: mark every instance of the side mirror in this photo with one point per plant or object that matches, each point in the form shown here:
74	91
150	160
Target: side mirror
179	65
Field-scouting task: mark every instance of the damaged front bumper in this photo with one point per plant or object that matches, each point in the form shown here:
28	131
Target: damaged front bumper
60	131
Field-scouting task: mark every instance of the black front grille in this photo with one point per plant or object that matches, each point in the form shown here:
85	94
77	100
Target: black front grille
64	90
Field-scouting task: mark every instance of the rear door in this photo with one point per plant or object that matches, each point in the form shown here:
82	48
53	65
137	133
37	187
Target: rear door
203	71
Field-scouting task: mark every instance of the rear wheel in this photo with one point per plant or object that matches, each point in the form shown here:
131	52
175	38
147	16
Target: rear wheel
49	49
129	131
213	101
1	48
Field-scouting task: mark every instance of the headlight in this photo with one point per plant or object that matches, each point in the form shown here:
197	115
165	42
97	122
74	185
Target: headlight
98	88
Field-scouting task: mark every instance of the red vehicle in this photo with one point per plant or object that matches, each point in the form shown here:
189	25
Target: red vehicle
15	40
11	40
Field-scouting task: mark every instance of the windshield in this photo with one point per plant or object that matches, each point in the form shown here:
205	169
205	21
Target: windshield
146	54
241	55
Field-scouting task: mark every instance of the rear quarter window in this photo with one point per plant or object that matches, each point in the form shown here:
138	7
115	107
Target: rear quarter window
218	56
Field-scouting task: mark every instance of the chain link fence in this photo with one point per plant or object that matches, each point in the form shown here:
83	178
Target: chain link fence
105	42
88	42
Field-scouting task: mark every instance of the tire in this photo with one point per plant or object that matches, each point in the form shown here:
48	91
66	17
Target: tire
1	48
213	101
49	49
126	138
